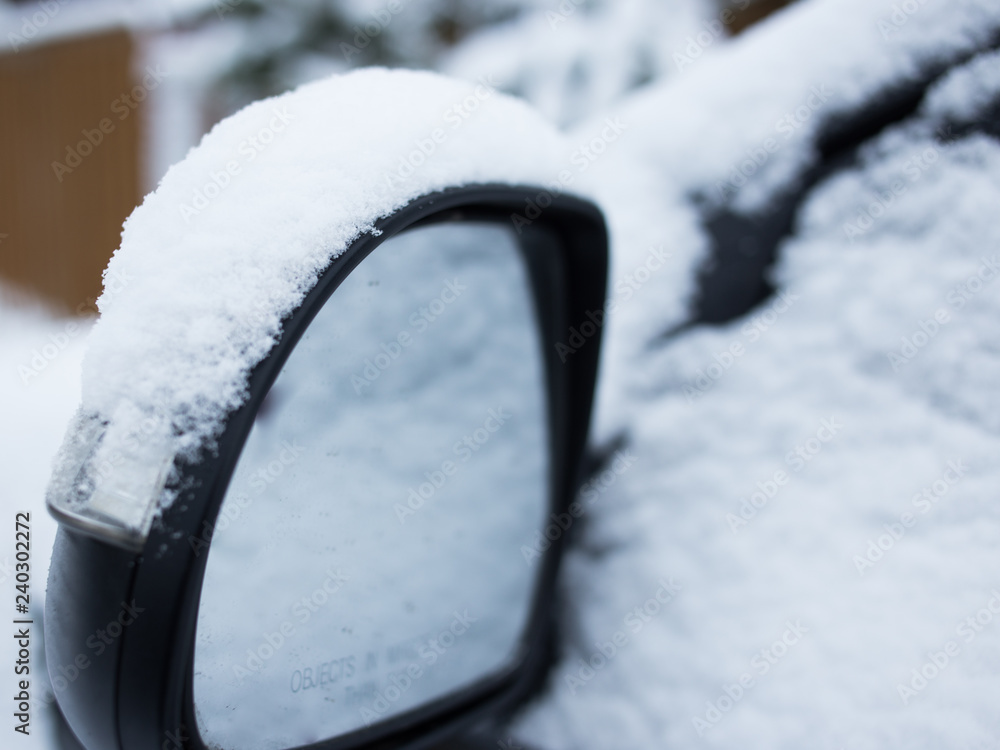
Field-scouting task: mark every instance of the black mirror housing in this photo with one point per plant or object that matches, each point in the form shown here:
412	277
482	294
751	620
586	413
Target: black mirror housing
130	686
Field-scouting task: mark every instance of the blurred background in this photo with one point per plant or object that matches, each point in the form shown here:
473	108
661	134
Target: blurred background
158	74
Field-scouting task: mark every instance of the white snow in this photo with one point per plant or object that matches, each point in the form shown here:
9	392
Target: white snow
754	104
968	90
763	479
811	422
235	235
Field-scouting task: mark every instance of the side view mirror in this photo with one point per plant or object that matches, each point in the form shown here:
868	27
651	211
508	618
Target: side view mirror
350	555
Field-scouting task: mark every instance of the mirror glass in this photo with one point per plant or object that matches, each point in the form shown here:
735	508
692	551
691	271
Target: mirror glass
368	556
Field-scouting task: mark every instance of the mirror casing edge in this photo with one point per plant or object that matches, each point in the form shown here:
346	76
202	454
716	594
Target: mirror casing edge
145	699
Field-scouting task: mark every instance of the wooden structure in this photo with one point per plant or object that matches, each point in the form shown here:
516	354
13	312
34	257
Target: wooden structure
69	163
746	14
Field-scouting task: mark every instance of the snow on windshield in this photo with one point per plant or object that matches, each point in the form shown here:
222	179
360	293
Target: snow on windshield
799	552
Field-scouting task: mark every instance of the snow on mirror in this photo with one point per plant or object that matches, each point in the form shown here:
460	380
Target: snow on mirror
367	558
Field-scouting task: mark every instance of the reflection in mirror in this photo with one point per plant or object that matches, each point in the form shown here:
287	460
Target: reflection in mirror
368	557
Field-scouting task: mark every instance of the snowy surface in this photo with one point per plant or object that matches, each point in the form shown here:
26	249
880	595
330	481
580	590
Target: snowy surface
235	235
781	633
827	510
769	91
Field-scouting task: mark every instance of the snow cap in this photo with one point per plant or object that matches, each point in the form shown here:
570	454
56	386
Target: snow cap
237	234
